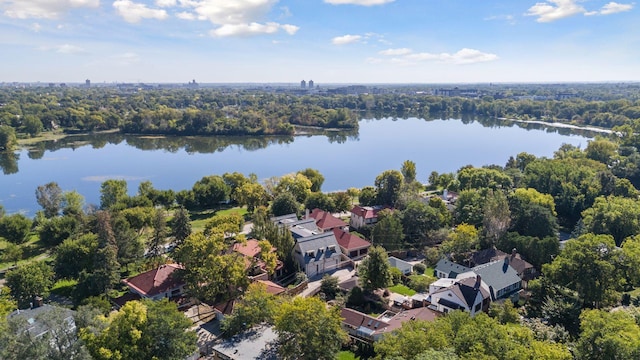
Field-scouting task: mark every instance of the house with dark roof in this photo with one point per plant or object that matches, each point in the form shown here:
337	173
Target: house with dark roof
364	215
525	270
353	246
33	324
448	269
502	279
318	254
161	282
368	329
325	221
468	294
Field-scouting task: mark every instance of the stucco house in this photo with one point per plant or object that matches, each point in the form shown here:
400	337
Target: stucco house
351	245
318	254
158	283
364	215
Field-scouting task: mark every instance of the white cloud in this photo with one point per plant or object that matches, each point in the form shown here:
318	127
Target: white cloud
555	10
166	3
508	18
63	49
36	27
359	2
346	39
396	52
127	58
44	9
252	29
614	7
134	12
185	16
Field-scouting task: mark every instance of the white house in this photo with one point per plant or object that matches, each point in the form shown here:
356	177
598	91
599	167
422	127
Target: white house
318	254
469	294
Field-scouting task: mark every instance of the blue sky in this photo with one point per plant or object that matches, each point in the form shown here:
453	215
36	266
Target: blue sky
329	41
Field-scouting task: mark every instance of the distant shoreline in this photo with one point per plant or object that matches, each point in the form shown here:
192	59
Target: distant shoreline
562	125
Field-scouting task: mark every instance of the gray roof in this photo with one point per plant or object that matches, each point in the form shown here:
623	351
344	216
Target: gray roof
283	219
37	328
450	268
303	228
400	264
256	343
319	244
497	274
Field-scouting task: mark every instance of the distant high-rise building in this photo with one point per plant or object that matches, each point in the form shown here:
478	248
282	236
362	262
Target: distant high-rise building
87	83
303	84
310	84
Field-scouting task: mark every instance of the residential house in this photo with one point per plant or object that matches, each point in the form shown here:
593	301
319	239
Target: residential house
405	267
161	282
351	245
318	254
250	250
256	343
325	221
368	329
467	293
37	328
502	279
525	270
284	219
364	215
447	269
303	228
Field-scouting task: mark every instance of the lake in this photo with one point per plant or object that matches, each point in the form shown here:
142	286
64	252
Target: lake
346	160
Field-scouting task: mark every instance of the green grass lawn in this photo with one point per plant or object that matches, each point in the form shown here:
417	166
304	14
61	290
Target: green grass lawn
346	355
402	290
32	250
200	218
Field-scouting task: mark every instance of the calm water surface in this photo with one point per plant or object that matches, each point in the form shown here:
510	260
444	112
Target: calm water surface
345	161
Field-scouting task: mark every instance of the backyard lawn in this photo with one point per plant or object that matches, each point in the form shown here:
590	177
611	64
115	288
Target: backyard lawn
402	290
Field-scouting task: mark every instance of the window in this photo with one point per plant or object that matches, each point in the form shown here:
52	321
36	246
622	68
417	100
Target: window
478	307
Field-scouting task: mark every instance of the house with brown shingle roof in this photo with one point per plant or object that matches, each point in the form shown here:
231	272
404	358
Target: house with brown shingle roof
353	246
325	220
158	283
368	329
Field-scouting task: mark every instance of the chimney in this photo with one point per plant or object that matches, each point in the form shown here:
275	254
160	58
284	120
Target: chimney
514	252
306	213
476	286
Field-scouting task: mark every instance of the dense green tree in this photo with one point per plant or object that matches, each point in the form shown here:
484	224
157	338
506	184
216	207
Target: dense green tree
329	286
631	259
315	177
210	191
32	125
368	196
615	216
75	255
15	228
497	217
608	335
374	270
55	230
142	330
418	219
72	203
388	232
601	150
537	251
180	225
341	200
49	196
210	274
534	220
28	281
129	244
112	191
296	184
12	253
321	201
8	138
460	242
587	265
409	171
477	178
159	234
308	330
283	204
469	208
388	185
256	306
252	195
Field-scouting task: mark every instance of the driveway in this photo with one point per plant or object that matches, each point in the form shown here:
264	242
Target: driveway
314	286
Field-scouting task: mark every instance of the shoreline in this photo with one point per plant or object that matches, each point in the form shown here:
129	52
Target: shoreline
562	125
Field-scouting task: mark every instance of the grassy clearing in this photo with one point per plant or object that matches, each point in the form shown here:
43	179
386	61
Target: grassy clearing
199	218
347	355
402	290
64	287
32	250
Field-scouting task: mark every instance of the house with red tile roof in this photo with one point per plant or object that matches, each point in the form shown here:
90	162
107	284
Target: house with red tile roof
325	220
158	283
250	251
353	246
364	215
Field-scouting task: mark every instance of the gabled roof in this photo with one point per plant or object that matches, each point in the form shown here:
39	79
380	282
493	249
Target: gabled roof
326	221
156	281
422	313
450	268
469	289
284	219
487	255
303	228
319	244
497	274
34	325
249	249
357	320
367	212
272	288
399	264
350	241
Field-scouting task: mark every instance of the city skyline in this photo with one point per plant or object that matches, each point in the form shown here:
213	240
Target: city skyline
331	41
